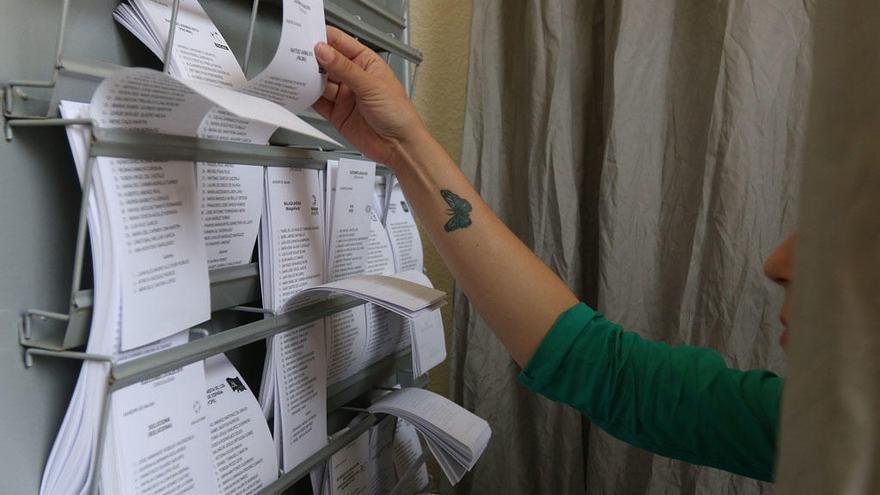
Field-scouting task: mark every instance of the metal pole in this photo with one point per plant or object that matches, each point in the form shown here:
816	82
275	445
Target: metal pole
49	122
82	356
59	48
102	433
62	27
412	84
172	28
250	38
389	184
76	283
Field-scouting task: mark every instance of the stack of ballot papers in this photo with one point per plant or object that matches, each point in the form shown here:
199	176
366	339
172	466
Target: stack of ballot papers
320	226
362	263
291	237
385	459
403	232
455	436
413	302
200	53
293	391
151	281
155	229
398	293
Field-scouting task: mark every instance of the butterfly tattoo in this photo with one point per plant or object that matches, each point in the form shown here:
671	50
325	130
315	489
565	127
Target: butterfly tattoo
459	208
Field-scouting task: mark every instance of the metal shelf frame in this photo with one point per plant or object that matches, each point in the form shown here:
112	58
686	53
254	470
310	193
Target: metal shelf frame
333	13
339	394
233	288
230	287
364	423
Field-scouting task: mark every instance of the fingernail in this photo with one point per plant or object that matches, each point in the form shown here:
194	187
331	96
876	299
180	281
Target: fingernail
324	52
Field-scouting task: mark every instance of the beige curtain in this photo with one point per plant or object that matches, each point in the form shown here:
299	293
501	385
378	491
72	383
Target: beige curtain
649	152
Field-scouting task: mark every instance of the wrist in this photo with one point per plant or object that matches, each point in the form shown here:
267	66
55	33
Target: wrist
407	149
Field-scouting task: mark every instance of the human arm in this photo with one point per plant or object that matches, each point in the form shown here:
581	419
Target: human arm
682	402
516	294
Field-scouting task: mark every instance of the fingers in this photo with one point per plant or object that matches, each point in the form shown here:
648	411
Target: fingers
346	45
324	107
340	68
331	90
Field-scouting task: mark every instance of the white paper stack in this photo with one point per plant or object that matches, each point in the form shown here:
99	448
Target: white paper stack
357	244
424	332
291	244
150	284
409	461
241	444
347	472
455	436
299	397
386	458
396	293
231	196
291	237
200	51
69	468
146	256
292	78
403	232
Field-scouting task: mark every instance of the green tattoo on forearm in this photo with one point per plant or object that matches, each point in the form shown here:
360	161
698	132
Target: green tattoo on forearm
459	208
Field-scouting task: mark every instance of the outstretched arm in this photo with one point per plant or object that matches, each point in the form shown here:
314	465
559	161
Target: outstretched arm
681	402
517	294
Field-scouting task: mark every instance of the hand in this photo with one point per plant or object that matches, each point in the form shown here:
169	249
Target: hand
364	100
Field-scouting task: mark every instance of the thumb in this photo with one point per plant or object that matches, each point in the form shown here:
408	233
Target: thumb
340	68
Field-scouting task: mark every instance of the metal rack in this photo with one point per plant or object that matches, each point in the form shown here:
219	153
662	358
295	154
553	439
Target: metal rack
14	90
120	143
232	289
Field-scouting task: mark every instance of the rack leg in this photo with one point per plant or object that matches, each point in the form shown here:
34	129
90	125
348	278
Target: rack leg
102	437
172	29
78	259
59	48
389	185
82	356
412	83
250	38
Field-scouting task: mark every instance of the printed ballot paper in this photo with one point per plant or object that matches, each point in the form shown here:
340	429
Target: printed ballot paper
292	78
359	244
154	441
349	199
403	232
241	444
385	459
300	405
294	385
164	262
231	195
155	228
396	293
455	436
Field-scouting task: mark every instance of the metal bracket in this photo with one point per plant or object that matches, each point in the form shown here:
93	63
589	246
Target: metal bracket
30	352
76	327
251	309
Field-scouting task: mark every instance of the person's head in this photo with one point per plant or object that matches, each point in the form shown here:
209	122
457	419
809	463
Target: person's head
778	269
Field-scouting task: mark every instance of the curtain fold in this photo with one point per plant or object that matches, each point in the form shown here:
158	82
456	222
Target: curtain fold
527	142
649	153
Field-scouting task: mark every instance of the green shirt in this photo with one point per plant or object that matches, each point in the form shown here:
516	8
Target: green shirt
681	402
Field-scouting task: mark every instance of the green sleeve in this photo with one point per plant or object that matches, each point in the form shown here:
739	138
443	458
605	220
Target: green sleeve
681	402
